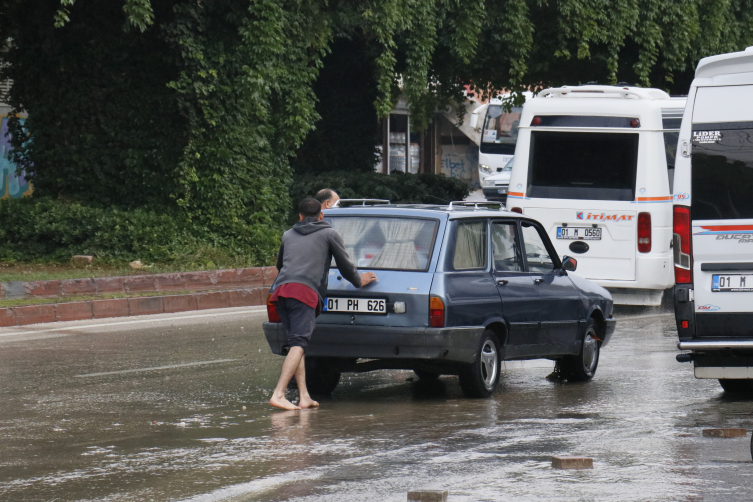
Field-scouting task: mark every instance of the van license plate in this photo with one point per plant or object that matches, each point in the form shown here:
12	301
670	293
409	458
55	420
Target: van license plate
356	305
579	233
737	283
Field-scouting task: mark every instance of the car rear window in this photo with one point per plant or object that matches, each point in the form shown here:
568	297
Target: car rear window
583	165
722	172
382	243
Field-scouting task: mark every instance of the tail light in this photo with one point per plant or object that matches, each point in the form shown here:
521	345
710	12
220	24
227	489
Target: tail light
272	311
644	232
681	244
516	210
436	312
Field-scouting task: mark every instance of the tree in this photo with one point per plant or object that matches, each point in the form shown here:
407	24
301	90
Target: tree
197	106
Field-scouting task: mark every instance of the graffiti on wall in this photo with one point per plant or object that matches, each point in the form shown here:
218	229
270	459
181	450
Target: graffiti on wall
460	161
11	184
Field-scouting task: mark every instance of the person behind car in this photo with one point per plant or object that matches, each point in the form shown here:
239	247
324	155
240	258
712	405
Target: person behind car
327	197
303	263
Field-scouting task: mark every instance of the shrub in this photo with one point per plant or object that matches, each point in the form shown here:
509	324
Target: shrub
43	229
398	187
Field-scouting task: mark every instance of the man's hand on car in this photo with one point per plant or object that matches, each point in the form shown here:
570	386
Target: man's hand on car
367	277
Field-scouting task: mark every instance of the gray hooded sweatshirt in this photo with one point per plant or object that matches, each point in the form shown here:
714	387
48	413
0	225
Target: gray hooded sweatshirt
306	252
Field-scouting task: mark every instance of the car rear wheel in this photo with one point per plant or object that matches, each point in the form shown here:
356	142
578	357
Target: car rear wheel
581	368
322	375
738	386
480	378
426	375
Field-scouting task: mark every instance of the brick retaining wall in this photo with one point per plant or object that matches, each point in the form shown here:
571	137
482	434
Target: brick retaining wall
222	288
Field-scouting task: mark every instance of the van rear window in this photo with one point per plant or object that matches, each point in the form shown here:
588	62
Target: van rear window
722	172
583	165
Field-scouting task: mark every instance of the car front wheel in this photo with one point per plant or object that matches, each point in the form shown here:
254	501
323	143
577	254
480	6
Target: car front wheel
581	368
480	378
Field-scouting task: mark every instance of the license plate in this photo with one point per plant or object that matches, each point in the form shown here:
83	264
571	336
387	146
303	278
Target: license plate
502	191
579	233
356	305
737	283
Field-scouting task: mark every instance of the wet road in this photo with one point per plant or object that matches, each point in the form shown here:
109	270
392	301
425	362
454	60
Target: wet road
152	409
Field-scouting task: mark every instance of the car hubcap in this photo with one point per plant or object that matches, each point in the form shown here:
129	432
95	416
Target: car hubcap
590	353
489	363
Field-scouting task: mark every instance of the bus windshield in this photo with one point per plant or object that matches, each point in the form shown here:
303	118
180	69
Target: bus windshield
500	130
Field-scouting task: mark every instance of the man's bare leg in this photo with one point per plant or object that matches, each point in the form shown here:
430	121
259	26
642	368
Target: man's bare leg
303	392
289	367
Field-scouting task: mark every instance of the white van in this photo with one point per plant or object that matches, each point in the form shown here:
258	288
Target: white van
594	164
713	222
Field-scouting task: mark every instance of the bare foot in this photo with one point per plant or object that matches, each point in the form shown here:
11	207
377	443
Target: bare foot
307	402
281	402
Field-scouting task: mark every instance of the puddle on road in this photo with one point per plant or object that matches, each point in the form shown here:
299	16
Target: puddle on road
183	435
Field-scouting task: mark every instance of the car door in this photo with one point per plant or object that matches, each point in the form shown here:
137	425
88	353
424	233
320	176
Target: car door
520	299
560	302
469	285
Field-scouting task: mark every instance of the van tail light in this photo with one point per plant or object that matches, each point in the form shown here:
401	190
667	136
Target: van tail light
644	232
272	310
516	210
681	245
436	312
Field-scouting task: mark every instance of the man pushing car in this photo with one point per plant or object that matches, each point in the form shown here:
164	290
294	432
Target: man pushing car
303	263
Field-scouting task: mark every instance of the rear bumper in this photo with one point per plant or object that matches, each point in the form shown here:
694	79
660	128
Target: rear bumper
706	345
383	342
492	195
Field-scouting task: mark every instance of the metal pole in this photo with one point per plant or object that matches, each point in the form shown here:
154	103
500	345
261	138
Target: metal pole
407	143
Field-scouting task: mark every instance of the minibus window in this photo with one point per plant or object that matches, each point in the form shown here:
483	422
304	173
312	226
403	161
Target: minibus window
722	172
670	147
582	165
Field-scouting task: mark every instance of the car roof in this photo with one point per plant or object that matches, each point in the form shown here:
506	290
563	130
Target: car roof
721	64
422	211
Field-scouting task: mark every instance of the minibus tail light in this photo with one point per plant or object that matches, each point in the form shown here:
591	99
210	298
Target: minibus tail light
644	232
681	244
436	312
272	311
516	210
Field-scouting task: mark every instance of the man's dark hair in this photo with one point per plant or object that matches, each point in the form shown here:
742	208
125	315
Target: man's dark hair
309	207
324	194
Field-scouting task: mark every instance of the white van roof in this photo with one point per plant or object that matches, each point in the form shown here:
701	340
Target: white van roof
603	91
725	64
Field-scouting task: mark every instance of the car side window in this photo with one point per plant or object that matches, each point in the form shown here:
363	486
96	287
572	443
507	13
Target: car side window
506	248
537	255
470	245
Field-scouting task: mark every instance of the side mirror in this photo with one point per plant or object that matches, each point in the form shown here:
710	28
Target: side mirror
569	264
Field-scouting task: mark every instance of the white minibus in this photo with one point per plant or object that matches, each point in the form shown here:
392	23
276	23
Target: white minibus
713	222
594	164
499	133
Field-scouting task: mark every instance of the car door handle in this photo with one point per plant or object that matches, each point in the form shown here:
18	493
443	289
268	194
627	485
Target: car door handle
502	282
538	281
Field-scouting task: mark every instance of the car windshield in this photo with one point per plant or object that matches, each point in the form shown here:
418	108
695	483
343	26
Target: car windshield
500	130
376	242
579	165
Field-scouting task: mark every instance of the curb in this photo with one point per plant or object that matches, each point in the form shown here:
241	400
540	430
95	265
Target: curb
125	307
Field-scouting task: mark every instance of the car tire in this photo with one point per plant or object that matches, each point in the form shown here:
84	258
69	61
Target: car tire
426	375
481	378
736	386
322	375
581	368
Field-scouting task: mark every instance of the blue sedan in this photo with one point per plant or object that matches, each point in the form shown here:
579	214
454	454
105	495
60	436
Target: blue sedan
461	288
